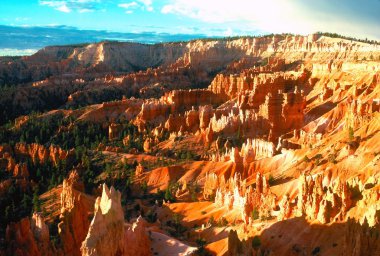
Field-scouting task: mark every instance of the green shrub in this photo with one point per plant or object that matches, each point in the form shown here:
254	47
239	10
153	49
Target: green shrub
256	242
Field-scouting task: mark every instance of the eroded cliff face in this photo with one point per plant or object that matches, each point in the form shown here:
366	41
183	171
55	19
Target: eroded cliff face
283	143
251	202
361	239
67	73
30	236
39	153
76	208
107	234
322	204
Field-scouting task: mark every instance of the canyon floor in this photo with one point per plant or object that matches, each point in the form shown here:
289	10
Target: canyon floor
239	146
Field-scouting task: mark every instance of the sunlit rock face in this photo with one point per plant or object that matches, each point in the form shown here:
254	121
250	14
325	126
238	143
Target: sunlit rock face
30	236
40	153
280	133
234	194
114	131
107	234
360	239
74	215
321	204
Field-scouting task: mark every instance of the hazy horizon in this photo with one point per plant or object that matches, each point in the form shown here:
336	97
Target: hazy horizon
20	41
27	40
29	25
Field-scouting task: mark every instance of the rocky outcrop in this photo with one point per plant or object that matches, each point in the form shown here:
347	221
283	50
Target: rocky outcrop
251	150
114	131
28	237
14	159
284	111
148	144
321	204
285	208
185	99
152	111
308	138
235	246
359	113
361	240
192	120
107	234
326	93
76	208
211	184
40	153
263	106
41	233
251	86
258	148
139	169
259	98
137	240
205	114
71	70
235	195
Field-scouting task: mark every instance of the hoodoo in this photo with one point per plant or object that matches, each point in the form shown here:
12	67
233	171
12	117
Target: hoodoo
236	146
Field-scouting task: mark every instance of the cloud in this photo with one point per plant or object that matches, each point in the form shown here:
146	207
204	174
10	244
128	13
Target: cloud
278	16
67	6
85	10
145	5
57	5
63	8
128	5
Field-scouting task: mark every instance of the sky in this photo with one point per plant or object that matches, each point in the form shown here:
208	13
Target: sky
359	18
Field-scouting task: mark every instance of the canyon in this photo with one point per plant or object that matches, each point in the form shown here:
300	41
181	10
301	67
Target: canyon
238	146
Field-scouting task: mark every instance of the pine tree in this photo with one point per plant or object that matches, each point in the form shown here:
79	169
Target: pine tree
256	243
36	202
25	203
168	195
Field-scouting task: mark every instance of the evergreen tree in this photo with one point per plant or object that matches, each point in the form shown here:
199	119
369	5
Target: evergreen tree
36	202
168	195
25	204
256	243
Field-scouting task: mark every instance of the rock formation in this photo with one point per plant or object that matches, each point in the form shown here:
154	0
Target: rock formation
136	240
139	169
322	204
107	234
360	239
235	246
240	110
235	195
285	209
251	150
42	154
114	131
76	208
28	237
